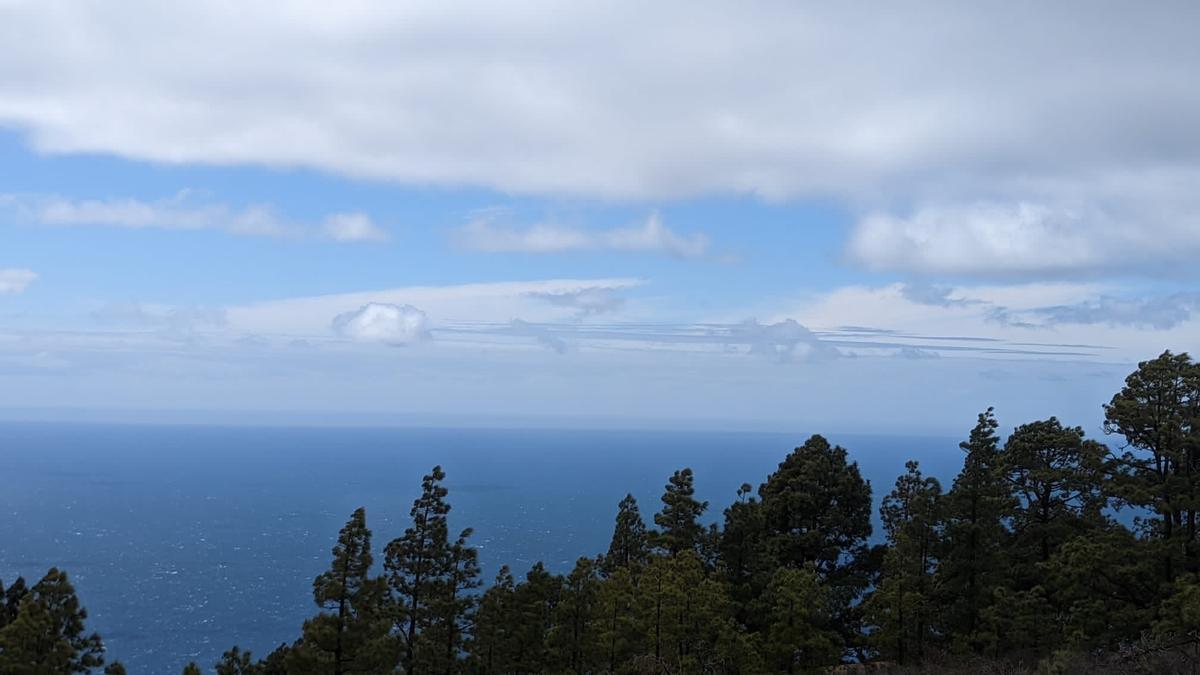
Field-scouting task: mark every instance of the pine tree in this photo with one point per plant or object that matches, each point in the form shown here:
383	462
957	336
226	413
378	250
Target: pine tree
659	595
276	662
817	513
799	635
973	558
534	603
1053	473
350	635
417	563
573	637
238	662
192	669
744	556
452	608
492	650
901	606
1157	413
10	600
1106	588
629	547
47	635
617	629
679	520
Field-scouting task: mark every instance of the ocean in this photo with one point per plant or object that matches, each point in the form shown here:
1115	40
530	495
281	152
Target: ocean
183	541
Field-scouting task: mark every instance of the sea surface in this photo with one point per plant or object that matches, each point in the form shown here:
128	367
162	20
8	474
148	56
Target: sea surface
183	541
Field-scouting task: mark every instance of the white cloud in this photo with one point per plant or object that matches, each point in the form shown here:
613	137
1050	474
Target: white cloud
588	301
976	239
16	280
688	98
1139	230
489	302
185	211
349	227
652	236
937	106
382	322
1036	320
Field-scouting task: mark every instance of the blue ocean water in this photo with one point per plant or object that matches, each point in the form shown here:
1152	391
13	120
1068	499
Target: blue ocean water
183	541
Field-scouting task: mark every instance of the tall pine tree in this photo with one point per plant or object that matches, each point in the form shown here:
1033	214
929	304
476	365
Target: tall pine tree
679	520
351	634
1157	413
629	546
48	633
902	606
417	564
973	557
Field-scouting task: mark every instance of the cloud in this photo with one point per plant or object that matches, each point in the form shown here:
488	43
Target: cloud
181	318
16	280
185	211
351	227
1059	118
651	236
783	340
914	353
1060	320
1153	313
544	336
1137	231
383	322
496	302
588	301
926	294
685	100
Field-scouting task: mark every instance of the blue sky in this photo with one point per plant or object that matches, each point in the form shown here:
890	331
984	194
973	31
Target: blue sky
769	216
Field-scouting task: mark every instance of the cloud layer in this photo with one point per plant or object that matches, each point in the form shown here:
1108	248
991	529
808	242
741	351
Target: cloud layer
652	236
1005	130
185	211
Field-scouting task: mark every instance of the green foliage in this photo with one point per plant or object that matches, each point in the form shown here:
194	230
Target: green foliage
534	602
10	600
630	541
1053	474
1106	585
416	564
616	626
679	520
902	607
973	559
743	550
493	649
574	637
799	635
451	608
47	634
351	634
816	510
237	662
1157	412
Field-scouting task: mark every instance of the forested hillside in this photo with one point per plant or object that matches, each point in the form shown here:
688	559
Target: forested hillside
1050	551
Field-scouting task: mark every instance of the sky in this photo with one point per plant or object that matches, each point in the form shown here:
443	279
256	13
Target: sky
764	215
